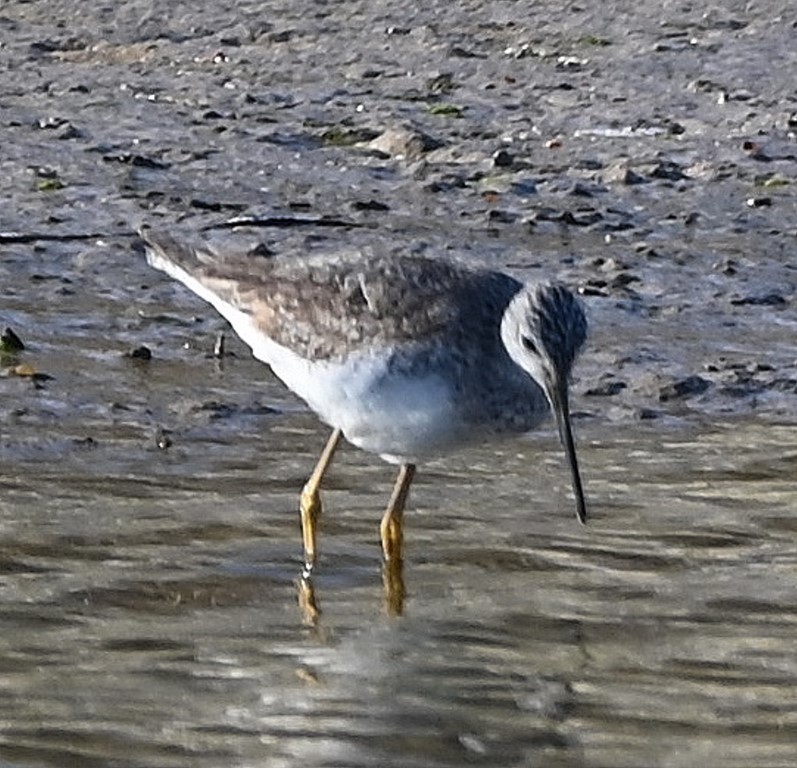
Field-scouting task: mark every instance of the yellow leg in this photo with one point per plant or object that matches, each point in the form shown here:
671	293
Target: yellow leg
393	582
392	534
310	502
392	528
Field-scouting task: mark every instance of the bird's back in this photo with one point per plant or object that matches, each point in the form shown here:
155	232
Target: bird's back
322	307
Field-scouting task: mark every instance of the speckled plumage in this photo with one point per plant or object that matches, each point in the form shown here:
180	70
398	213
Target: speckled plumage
408	355
322	307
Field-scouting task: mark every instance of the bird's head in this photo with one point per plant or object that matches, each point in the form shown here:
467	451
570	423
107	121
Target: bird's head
543	330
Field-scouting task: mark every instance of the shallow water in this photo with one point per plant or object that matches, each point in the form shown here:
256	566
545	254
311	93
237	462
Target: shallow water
150	612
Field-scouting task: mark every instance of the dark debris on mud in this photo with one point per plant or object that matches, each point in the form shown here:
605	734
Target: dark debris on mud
646	157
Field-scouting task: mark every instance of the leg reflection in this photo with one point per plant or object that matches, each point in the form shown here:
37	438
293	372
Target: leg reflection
393	581
308	604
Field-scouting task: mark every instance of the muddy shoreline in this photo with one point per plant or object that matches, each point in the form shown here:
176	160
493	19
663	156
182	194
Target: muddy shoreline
645	155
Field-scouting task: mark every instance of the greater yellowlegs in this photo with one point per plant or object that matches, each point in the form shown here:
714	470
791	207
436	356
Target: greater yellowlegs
405	356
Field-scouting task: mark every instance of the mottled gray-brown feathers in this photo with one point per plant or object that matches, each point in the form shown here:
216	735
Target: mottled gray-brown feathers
323	307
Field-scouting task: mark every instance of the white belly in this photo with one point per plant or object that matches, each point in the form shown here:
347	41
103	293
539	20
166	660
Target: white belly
401	418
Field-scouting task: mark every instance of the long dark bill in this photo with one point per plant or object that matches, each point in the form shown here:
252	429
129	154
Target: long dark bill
561	407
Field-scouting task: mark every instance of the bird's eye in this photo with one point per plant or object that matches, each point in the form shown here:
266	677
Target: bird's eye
529	345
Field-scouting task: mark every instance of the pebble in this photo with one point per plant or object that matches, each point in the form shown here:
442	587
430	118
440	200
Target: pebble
683	388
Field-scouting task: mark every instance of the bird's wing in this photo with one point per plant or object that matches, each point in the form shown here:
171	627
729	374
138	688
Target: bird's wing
322	306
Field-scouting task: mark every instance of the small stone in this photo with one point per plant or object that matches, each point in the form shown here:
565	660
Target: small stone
69	131
757	367
622	279
688	387
23	370
140	353
163	438
593	287
668	170
502	217
647	414
446	182
283	36
726	266
370	205
771	299
231	40
503	159
606	389
756	151
261	251
51	122
406	142
10	342
620	173
442	83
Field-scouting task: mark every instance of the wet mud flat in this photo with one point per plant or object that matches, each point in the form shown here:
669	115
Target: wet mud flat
643	153
648	158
